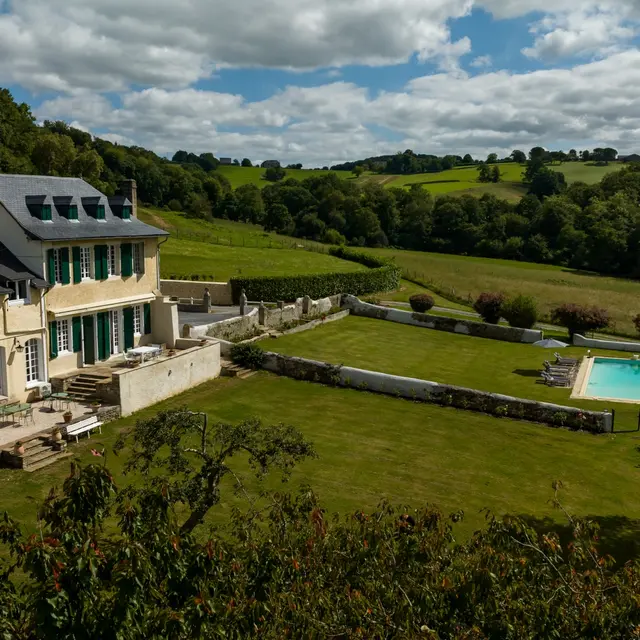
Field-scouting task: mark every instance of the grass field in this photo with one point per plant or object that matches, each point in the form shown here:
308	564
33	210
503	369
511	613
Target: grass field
239	176
372	447
550	285
186	257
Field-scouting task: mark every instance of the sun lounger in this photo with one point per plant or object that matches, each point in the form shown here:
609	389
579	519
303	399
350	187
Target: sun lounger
555	381
561	360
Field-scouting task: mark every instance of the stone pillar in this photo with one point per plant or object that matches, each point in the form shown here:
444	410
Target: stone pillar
280	304
206	301
262	314
243	302
306	305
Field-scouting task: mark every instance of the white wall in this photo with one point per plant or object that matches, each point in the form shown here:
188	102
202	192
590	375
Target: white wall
581	341
155	381
15	238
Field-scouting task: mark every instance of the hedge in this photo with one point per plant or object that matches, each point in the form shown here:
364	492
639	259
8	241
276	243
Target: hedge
381	276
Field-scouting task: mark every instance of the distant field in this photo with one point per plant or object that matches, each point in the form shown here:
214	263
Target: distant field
550	285
186	257
253	175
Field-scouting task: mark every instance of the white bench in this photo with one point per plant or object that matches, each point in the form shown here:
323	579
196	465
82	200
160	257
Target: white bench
83	426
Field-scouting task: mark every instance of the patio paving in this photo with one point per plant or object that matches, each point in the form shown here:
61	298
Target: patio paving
44	420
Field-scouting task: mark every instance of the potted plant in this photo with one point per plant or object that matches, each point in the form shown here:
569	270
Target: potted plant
95	405
18	448
172	352
67	415
56	434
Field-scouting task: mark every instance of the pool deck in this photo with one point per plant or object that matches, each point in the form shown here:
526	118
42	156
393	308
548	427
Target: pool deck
582	382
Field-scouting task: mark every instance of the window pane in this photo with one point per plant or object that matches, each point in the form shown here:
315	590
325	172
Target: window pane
22	290
85	262
32	358
57	265
137	320
115	332
111	260
63	335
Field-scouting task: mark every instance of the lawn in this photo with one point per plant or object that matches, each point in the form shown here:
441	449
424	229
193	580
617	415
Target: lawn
185	257
466	277
373	446
477	363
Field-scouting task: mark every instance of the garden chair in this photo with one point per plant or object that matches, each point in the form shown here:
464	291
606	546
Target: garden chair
565	361
553	381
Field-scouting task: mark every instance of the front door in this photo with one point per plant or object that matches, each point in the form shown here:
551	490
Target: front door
89	339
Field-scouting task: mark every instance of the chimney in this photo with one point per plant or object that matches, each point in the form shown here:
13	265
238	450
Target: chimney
129	190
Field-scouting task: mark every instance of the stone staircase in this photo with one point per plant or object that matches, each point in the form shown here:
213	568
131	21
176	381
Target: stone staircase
232	370
39	452
83	386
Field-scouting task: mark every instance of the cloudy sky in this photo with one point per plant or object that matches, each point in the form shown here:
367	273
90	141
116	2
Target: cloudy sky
323	81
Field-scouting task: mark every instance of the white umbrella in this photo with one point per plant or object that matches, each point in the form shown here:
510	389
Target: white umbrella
550	343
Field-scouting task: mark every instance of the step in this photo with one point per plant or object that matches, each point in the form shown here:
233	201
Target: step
73	389
33	444
82	385
47	461
247	373
39	457
91	376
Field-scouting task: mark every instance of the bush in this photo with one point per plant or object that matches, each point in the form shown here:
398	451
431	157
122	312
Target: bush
521	311
174	205
421	302
381	276
636	322
489	306
581	319
248	355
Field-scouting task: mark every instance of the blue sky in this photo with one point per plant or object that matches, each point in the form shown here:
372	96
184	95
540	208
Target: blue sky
322	81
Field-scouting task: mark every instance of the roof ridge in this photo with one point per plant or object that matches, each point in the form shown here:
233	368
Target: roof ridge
29	175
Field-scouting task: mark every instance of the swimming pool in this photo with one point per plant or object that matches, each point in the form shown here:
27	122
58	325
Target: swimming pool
615	379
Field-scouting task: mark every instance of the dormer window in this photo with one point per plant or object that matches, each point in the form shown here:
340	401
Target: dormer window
100	214
66	207
126	212
46	213
19	291
39	207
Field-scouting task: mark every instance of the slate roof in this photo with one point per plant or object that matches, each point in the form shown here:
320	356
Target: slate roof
12	269
14	190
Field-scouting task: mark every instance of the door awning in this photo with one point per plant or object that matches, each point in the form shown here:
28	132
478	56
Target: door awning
96	307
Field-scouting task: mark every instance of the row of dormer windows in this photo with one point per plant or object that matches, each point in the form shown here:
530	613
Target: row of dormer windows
43	211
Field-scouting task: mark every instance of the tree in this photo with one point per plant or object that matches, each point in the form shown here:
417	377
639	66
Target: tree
518	156
577	318
277	218
520	311
54	154
190	457
468	159
547	182
198	206
573	155
489	306
246	162
484	173
274	174
358	171
492	158
236	162
495	173
538	153
88	165
249	204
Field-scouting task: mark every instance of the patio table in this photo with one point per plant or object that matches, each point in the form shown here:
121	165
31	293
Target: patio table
61	397
144	352
13	409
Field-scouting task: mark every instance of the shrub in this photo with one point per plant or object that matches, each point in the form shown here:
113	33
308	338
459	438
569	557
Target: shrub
636	322
577	318
174	205
421	302
382	275
521	311
248	355
489	306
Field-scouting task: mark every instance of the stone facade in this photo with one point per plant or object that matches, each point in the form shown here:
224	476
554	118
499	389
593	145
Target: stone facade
439	323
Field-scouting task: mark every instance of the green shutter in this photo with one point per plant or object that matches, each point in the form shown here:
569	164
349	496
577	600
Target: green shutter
126	260
45	212
100	212
53	340
77	273
73	212
64	258
100	252
51	266
147	319
127	320
104	350
126	213
77	334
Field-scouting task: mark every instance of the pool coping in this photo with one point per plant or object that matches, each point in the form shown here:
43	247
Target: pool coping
582	381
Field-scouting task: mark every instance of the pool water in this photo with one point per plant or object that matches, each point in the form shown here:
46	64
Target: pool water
614	378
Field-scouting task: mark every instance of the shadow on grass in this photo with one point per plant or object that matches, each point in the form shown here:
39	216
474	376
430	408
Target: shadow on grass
619	535
527	373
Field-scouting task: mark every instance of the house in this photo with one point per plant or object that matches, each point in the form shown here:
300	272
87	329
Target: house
80	277
225	161
270	164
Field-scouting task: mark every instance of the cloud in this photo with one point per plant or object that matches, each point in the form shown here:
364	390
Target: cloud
481	62
588	105
109	45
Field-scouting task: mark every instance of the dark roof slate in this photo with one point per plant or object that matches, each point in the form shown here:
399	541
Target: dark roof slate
15	189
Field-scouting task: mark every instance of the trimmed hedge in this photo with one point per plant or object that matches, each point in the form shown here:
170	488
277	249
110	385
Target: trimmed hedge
382	275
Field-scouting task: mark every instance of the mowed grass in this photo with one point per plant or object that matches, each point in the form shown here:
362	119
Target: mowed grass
467	277
372	447
185	257
239	176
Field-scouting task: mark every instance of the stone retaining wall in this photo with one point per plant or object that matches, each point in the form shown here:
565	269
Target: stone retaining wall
440	323
614	345
446	395
220	291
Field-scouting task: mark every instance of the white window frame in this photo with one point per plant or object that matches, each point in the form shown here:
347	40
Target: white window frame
137	320
86	263
64	337
115	322
16	287
138	258
57	265
112	261
33	361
